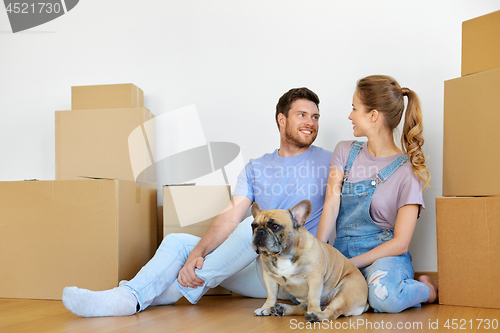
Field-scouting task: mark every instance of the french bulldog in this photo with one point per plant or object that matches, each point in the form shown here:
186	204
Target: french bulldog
324	281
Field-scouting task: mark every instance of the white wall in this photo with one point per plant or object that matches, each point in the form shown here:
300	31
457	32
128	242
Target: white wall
233	60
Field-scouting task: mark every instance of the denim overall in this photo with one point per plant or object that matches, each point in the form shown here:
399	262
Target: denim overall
390	280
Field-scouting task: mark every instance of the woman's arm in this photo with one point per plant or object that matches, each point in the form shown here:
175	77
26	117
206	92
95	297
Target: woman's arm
403	232
332	203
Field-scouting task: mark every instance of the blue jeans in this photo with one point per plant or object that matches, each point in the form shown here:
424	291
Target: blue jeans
232	265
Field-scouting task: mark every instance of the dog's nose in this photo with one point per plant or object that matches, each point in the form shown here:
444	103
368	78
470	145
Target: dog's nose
261	232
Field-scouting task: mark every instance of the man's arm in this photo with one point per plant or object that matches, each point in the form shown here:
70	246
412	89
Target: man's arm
220	229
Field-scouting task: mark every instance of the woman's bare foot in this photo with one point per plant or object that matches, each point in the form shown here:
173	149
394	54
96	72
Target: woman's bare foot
433	287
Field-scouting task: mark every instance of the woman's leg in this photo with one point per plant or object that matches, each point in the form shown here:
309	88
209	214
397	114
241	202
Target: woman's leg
137	294
433	287
391	287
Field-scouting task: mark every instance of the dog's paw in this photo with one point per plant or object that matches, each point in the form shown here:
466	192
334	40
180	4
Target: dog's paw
278	310
312	317
262	312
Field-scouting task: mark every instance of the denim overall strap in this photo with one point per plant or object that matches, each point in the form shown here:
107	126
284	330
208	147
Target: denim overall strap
353	153
357	233
391	168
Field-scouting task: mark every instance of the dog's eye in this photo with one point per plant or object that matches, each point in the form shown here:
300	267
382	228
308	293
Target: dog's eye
254	225
275	227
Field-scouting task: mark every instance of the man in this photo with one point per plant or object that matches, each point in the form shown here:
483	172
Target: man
186	266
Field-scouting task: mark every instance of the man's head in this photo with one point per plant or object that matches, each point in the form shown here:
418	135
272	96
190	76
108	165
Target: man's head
285	101
297	116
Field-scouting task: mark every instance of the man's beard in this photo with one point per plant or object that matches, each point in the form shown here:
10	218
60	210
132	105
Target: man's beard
294	138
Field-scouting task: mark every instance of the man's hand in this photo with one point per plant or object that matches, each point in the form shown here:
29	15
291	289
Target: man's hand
222	226
187	276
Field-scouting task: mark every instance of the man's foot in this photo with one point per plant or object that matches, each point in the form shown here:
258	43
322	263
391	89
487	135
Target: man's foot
118	301
433	287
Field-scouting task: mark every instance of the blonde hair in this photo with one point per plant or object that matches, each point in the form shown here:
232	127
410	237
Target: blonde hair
383	93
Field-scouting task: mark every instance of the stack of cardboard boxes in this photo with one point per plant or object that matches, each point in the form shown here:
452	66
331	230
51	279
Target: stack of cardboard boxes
468	216
73	231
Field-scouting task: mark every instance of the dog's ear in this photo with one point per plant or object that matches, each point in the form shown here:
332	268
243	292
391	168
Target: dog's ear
256	209
301	211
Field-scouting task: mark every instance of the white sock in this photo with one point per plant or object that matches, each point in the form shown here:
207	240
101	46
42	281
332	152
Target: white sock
118	301
169	296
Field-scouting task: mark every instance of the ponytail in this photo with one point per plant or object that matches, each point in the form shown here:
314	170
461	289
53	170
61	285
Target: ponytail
384	94
412	139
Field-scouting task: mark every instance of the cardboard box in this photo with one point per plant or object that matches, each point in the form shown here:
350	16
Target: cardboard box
85	233
106	96
191	209
95	143
468	244
481	43
471	118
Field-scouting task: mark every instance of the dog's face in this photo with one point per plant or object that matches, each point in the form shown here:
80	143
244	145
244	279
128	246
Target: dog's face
274	230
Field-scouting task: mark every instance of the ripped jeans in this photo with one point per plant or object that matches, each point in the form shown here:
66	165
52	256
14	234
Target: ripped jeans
391	287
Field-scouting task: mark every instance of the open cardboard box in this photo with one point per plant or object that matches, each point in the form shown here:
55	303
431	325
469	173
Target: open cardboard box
87	233
191	209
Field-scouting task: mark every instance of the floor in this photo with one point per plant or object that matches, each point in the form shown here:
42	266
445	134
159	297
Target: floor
233	314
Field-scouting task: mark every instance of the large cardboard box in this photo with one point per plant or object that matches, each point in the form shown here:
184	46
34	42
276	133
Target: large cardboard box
85	233
191	209
95	143
471	118
106	96
481	43
468	244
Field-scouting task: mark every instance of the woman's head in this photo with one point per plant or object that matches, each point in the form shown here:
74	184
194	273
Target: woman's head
384	94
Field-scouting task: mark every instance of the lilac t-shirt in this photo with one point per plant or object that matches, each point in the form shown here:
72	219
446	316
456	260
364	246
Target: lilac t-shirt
403	187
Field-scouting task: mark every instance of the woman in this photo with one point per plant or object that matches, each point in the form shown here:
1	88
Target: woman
375	194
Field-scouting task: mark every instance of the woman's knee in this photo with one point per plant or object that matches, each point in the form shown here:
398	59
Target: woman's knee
386	298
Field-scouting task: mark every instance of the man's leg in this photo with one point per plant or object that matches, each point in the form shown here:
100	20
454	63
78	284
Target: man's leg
229	258
137	294
249	282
